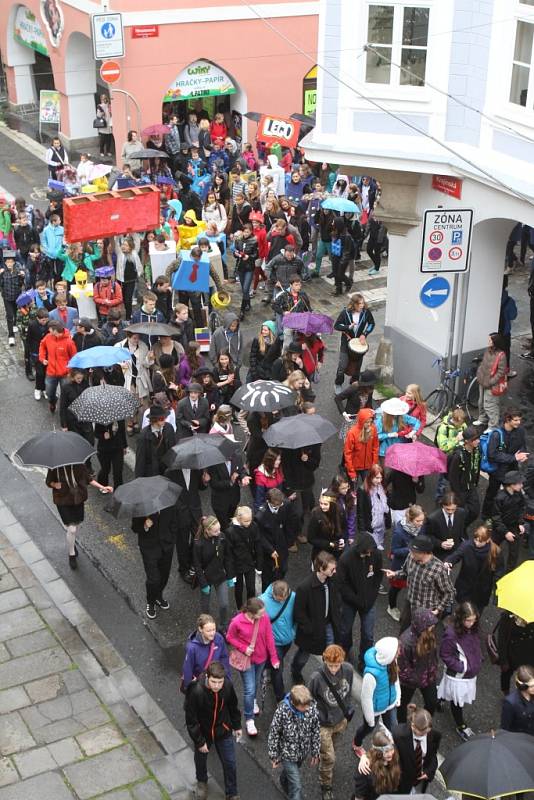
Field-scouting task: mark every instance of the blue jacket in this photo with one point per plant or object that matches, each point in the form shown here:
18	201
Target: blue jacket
52	240
385	439
518	713
385	692
72	315
39	302
284	628
196	655
400	545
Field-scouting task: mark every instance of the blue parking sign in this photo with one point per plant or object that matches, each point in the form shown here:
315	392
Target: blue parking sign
456	237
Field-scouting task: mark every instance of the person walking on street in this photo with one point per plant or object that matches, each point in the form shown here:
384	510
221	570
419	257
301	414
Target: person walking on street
204	645
378	773
354	322
331	688
515	646
463	473
404	532
509	509
153	444
212	717
37	330
380	689
278	524
507	450
418	662
11	283
246	552
155	539
492	381
279	602
55	351
518	707
213	566
361	446
482	565
446	526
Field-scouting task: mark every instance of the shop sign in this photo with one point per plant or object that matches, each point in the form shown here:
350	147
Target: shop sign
28	31
279	130
145	31
200	79
49	108
447	185
310	101
52	16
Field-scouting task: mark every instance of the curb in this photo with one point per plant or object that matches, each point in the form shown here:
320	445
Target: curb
35	148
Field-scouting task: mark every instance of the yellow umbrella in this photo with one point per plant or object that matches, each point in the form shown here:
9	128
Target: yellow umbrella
515	591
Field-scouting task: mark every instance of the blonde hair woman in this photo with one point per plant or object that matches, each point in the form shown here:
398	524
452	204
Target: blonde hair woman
212	564
416	408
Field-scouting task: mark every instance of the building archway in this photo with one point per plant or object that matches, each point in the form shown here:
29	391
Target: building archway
80	88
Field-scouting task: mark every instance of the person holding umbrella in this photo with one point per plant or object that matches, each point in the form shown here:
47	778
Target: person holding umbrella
390	419
192	413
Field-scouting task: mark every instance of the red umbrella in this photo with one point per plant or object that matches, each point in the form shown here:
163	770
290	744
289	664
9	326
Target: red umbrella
416	459
159	129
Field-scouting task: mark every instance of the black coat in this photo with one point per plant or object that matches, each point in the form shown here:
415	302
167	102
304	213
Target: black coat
277	531
261	364
309	613
514	643
507	514
151	451
69	393
476	580
211	715
518	713
504	456
300	474
401	489
116	440
184	416
35	333
364	512
245	547
159	538
320	536
436	527
403	738
212	560
223	491
359	578
257	446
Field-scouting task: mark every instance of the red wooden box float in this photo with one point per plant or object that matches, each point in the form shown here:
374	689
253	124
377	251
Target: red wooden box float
104	214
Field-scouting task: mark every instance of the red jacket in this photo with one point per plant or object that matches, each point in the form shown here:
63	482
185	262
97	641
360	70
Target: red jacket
360	455
419	412
112	292
218	130
57	351
263	244
311	355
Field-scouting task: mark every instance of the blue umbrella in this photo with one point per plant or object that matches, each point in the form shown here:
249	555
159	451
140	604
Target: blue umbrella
340	204
103	356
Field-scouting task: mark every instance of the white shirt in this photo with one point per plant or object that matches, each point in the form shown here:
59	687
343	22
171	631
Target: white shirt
422	742
447	517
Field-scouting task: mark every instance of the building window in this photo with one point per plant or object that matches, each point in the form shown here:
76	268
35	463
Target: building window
398	35
521	65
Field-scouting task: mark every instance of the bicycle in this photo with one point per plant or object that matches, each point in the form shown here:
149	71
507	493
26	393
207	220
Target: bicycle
444	397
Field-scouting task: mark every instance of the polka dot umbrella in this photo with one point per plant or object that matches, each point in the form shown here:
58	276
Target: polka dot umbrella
104	404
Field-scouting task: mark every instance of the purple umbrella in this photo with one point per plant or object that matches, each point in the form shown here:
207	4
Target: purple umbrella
416	459
308	322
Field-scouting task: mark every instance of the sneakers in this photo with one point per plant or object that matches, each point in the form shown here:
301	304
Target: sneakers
250	726
162	603
11	341
373	271
256	708
464	733
394	613
201	791
15	329
382	589
150	610
37	394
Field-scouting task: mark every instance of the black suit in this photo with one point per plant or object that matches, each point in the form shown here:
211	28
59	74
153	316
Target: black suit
403	738
436	528
225	495
156	545
151	450
185	415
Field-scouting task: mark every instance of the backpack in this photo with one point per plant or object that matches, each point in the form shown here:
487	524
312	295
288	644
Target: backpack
485	464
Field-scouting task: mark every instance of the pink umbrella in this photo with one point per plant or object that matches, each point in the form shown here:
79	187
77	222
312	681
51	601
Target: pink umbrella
99	171
159	129
416	459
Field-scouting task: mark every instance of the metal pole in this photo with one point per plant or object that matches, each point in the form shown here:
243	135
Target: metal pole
136	104
452	323
462	313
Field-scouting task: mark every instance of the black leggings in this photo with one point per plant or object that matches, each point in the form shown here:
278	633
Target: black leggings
430	698
457	714
392	596
128	291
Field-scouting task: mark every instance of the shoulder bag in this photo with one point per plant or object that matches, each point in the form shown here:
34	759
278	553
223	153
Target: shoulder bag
204	668
348	712
240	661
491	644
502	385
279	614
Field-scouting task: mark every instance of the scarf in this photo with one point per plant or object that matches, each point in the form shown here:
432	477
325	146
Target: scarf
410	528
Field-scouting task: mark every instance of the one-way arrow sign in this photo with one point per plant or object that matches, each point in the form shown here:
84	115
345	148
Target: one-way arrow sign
435	292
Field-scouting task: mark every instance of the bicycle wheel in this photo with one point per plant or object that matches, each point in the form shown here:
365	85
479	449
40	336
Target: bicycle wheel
471	400
436	405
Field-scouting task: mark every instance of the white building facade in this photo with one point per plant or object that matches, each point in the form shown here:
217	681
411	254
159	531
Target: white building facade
414	90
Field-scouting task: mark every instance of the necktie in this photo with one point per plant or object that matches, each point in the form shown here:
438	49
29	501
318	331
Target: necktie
449	521
194	408
418	761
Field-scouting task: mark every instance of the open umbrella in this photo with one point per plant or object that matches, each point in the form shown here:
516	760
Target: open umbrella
102	356
144	496
99	171
152	329
104	404
302	430
158	129
514	591
308	322
491	765
416	459
263	396
148	152
201	451
254	116
340	204
55	449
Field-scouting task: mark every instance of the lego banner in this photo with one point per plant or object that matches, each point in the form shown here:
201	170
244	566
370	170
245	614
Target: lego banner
278	129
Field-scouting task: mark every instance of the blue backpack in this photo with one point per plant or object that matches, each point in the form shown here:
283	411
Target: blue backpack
485	464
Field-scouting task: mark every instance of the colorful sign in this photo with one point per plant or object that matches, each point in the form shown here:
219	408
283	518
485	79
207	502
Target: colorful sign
447	185
28	31
310	101
446	240
110	71
278	129
52	16
145	31
49	107
108	36
200	79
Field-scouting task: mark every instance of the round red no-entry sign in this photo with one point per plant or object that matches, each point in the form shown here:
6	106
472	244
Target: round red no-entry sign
110	71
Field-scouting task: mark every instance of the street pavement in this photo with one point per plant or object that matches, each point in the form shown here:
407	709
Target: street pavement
110	581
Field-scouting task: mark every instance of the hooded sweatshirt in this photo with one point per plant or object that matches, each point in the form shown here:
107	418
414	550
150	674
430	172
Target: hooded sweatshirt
196	656
359	577
360	455
57	351
190	233
277	173
378	694
417	671
225	339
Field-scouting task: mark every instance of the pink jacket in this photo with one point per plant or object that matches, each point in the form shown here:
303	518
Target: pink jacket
240	636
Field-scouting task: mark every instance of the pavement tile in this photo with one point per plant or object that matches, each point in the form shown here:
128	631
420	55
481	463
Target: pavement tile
44	571
121	794
33	718
3	568
71	642
29	552
129	684
33	762
107	691
148	709
19	622
125	717
39	597
24	576
58	730
13	699
9	601
59	708
31	643
11	558
5	655
168	736
8	582
93	717
44	689
74	681
14	735
171	776
16	534
29	668
83	701
109	658
146	745
8	773
92	635
65	751
59	591
100	740
149	790
49	786
105	772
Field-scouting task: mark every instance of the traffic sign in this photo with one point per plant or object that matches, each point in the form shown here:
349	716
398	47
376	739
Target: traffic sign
110	71
446	240
435	292
108	36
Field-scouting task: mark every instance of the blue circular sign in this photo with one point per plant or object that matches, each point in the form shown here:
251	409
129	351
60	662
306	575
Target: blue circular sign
108	30
435	292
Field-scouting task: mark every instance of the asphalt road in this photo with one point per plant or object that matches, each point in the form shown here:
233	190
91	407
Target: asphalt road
110	580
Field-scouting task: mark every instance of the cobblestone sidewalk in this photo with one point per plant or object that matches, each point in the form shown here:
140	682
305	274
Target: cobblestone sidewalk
75	722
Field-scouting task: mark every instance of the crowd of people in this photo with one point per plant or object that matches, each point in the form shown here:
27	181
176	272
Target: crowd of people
366	534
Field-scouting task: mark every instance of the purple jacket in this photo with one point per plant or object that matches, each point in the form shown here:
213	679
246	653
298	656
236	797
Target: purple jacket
196	655
470	644
413	670
184	370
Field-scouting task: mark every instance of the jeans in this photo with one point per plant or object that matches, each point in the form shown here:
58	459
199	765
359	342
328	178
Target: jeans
251	678
226	751
367	623
277	675
301	657
222	597
389	718
51	384
323	249
290	780
245	279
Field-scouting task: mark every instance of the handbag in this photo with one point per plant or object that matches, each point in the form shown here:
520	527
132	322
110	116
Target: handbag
502	386
348	713
240	661
204	668
491	645
99	122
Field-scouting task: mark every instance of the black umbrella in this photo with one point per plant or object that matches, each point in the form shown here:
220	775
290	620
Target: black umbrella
55	449
305	119
152	329
253	116
200	451
491	765
144	496
264	396
301	430
104	404
148	152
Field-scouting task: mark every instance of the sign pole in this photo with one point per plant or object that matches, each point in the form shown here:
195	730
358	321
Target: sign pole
462	313
452	323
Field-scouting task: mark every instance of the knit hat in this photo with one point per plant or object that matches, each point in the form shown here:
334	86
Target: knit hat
104	272
471	433
294	348
271	325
